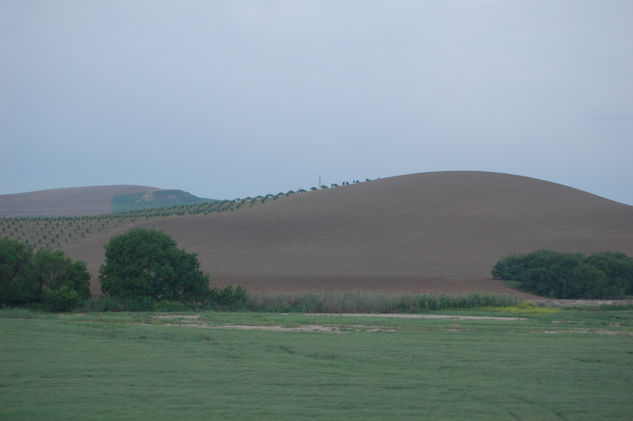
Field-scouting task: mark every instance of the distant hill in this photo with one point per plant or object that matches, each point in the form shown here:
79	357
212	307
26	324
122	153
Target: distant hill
154	199
86	201
439	231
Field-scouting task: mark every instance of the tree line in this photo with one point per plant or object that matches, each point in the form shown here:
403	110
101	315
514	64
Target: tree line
44	276
569	275
143	270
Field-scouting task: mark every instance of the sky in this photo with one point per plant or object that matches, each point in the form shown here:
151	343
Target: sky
234	98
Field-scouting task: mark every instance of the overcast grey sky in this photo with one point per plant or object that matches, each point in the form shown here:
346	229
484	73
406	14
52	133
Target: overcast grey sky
232	98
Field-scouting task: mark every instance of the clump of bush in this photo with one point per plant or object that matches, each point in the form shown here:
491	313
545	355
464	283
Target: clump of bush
227	297
61	299
145	271
569	275
44	277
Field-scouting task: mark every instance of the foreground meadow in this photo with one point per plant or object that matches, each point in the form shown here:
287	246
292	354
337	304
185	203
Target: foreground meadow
524	363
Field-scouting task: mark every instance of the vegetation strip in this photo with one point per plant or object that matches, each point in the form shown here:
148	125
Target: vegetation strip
550	302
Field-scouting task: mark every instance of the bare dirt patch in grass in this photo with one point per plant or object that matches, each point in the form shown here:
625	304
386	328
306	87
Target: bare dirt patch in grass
179	316
302	328
418	316
193	320
180	320
590	332
274	328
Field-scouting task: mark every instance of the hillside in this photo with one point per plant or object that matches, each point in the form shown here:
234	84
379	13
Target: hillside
86	201
438	231
154	199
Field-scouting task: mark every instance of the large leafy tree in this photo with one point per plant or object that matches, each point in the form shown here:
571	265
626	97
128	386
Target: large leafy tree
147	263
17	285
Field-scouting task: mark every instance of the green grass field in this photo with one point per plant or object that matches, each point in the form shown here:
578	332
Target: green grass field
568	364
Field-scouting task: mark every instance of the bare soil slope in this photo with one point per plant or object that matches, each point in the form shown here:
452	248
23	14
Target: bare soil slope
431	232
77	201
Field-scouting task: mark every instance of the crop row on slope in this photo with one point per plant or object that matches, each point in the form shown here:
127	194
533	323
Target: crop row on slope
59	231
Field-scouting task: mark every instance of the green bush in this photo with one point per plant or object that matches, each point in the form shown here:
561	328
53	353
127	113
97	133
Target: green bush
44	276
63	298
146	264
53	270
569	275
617	266
227	297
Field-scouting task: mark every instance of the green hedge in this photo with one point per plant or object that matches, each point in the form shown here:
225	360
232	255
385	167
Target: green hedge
569	275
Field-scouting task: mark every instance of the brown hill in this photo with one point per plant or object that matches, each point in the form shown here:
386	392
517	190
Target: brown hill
439	231
76	201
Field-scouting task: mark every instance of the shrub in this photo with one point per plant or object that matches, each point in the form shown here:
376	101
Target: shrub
48	276
569	275
63	298
227	297
617	266
144	264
